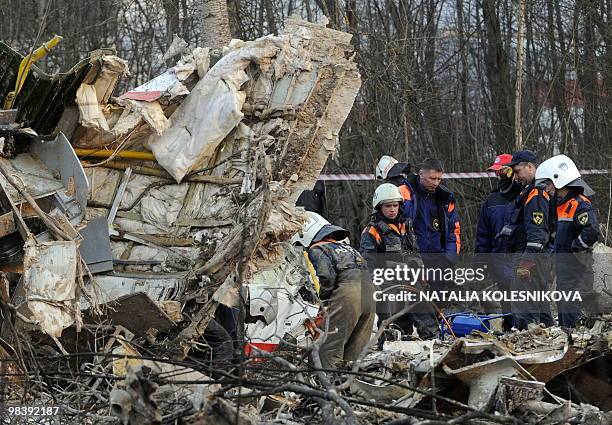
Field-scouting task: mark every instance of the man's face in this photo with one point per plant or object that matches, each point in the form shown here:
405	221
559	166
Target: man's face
550	188
390	210
524	172
430	179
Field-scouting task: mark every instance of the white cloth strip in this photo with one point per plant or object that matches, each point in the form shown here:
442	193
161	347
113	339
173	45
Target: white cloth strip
447	176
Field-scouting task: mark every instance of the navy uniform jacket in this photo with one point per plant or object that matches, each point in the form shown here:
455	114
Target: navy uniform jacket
577	227
435	220
528	229
577	232
494	214
335	262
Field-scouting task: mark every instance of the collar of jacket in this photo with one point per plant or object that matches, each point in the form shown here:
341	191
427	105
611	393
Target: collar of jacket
573	192
323	242
525	192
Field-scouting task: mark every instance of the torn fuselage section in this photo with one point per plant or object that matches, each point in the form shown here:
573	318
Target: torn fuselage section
282	303
51	174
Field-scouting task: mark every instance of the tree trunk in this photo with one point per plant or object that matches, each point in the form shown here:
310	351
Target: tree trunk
171	7
498	76
215	24
272	29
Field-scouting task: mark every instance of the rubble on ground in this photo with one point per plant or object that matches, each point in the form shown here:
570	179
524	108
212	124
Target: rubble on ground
127	221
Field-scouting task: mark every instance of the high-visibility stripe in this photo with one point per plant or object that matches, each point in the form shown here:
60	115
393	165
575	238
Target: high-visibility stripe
458	236
400	231
405	191
446	176
372	230
313	273
323	242
567	210
533	193
451	207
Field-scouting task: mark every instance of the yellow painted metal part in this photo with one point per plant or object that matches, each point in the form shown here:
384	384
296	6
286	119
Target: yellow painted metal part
24	68
105	153
313	273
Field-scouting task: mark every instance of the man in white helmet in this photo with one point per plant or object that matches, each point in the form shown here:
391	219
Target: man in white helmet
390	232
576	232
345	290
390	170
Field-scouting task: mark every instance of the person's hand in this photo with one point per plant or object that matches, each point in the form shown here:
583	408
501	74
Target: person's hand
523	271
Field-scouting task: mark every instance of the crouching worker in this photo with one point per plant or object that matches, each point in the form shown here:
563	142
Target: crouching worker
345	292
576	233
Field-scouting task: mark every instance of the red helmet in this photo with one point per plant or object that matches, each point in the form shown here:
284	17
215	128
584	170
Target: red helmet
500	161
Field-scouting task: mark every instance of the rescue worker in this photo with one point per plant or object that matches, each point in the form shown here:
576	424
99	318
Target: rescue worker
389	229
345	290
494	212
314	200
435	219
576	233
390	232
527	234
391	171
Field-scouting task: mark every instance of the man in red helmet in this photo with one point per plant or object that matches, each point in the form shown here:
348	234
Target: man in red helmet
495	210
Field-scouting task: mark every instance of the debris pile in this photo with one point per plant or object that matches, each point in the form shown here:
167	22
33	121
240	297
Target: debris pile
135	228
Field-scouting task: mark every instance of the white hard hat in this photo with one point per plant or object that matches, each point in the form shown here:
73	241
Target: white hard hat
310	229
386	192
385	163
559	169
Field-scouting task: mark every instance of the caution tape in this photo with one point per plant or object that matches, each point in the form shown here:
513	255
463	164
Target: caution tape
447	176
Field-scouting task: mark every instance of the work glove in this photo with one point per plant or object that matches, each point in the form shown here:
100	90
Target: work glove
523	271
506	231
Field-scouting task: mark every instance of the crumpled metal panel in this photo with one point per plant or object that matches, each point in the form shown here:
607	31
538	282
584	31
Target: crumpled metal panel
43	97
49	284
61	160
158	288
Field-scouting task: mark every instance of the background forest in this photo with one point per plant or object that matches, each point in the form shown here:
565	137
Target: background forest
439	76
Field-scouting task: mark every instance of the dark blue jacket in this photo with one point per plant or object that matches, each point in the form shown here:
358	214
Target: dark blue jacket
334	263
434	217
494	213
528	228
577	226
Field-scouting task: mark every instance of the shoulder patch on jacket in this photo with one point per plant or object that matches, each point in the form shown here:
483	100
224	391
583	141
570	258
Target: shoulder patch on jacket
538	217
583	218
